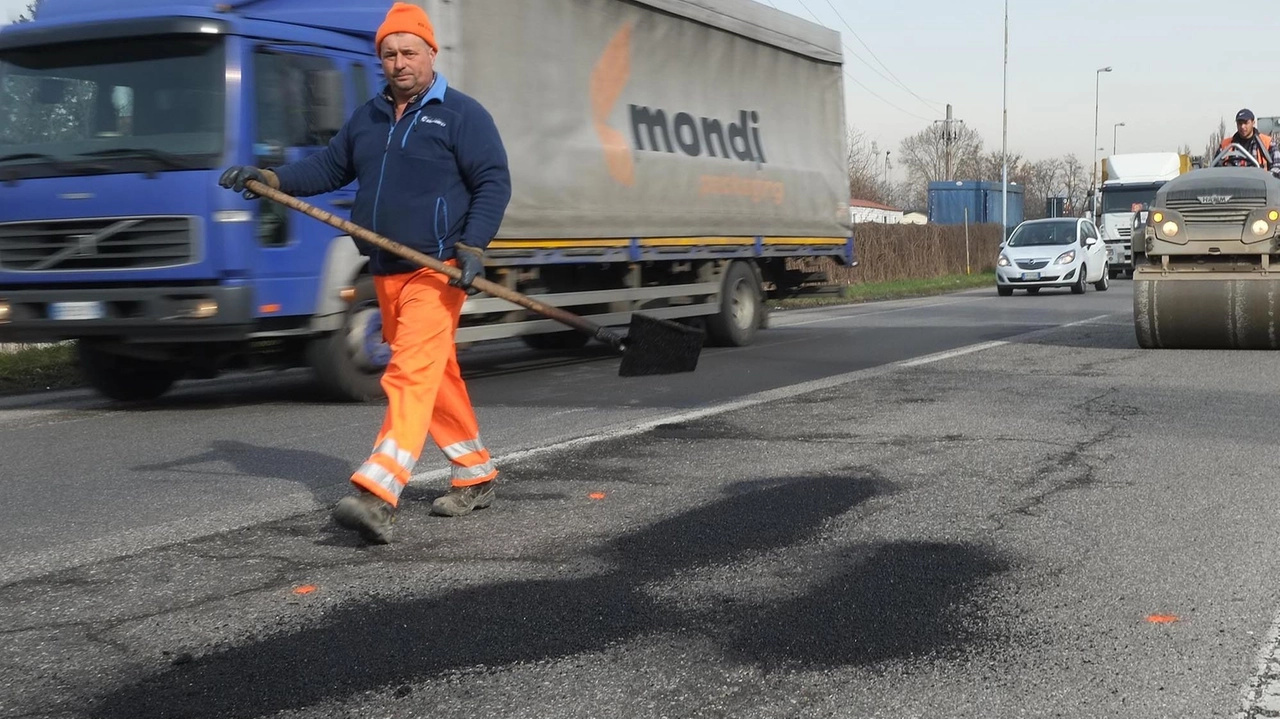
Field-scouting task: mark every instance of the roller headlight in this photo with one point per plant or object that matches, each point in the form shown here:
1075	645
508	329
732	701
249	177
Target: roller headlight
1003	261
1260	228
1273	215
1066	258
1170	228
1157	217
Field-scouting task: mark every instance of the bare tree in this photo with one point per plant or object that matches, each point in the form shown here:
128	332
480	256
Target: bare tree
1039	180
1073	183
30	13
1215	141
924	155
866	169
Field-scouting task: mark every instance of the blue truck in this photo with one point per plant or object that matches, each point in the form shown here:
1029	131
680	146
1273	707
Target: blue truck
677	183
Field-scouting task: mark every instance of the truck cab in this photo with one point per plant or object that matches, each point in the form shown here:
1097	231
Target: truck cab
114	232
1129	186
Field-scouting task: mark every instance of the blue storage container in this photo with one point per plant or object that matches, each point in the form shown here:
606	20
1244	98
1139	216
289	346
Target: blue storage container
948	202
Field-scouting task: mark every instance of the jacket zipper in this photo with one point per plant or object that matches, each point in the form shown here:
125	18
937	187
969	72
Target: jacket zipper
386	150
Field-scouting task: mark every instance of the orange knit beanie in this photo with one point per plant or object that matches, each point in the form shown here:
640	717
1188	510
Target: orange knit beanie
403	17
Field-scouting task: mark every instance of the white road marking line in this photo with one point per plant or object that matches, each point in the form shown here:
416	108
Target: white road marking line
1262	691
18	566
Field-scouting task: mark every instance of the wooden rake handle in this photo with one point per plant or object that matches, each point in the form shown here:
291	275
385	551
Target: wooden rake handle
492	288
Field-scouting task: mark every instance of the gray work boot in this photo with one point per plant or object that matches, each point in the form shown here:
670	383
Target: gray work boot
367	514
461	500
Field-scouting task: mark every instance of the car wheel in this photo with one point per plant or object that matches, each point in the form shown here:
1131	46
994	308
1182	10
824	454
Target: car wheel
1080	285
1105	281
1004	291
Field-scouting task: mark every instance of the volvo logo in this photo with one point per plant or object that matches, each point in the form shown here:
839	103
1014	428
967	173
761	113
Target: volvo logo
1214	199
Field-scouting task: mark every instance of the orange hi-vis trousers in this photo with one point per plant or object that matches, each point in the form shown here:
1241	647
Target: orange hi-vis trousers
424	387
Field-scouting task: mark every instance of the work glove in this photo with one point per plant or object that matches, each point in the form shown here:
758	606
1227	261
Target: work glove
235	177
471	262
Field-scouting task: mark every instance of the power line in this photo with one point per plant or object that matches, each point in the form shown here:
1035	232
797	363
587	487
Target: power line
859	82
877	58
890	104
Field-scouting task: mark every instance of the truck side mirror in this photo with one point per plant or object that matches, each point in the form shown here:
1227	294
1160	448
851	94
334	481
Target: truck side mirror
325	110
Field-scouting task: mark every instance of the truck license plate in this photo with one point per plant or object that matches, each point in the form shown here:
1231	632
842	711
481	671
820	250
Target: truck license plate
1030	275
76	311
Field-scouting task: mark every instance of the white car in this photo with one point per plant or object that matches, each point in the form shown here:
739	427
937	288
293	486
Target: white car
1054	252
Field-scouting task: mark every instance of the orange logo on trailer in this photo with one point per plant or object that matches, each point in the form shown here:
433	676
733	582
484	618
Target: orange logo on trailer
654	129
607	82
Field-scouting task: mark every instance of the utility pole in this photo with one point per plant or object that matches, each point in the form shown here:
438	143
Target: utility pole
1093	171
949	137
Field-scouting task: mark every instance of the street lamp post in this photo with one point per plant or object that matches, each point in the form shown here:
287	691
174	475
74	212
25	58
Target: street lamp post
1115	129
1093	176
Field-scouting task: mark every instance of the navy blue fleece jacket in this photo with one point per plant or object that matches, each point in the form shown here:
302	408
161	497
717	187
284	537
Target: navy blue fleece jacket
436	177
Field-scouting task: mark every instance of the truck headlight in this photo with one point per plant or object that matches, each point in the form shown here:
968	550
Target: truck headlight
1066	258
1170	228
1261	227
1003	261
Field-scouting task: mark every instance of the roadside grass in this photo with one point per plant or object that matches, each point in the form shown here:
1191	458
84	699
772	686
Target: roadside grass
52	367
32	369
893	290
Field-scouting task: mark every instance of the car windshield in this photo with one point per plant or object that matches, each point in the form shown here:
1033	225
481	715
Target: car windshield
1128	199
118	105
1035	234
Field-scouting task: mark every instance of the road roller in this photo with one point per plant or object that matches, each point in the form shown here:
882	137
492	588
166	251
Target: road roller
1209	273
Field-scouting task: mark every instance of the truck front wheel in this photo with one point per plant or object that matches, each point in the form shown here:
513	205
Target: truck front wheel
741	307
349	363
123	378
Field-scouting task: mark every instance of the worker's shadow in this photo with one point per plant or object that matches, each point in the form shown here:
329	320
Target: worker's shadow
324	476
854	606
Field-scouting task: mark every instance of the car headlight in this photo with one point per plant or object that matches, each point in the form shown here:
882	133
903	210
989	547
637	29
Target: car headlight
1066	258
1003	261
1170	228
1260	228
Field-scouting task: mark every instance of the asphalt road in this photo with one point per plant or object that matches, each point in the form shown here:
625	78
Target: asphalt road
976	507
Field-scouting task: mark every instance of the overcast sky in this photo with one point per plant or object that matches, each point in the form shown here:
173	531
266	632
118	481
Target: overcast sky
1179	67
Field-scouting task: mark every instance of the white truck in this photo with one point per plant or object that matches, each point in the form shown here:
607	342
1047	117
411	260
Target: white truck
1129	185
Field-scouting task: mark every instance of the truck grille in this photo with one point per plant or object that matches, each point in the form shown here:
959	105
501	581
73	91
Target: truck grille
116	243
1124	232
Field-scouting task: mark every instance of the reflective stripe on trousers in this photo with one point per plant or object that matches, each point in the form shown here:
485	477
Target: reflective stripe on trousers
426	396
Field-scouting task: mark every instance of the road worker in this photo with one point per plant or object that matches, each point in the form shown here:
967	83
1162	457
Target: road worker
1263	148
433	176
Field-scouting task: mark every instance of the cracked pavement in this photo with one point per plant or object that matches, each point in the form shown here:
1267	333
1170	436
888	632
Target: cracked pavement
986	535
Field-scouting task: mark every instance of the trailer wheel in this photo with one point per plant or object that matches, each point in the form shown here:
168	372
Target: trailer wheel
123	378
349	362
736	323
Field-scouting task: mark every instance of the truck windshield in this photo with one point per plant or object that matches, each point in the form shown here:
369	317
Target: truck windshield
129	105
1128	199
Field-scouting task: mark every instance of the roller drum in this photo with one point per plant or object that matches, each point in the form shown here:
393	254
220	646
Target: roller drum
1235	310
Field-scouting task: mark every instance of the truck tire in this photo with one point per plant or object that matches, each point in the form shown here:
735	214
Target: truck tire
123	378
349	363
741	305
